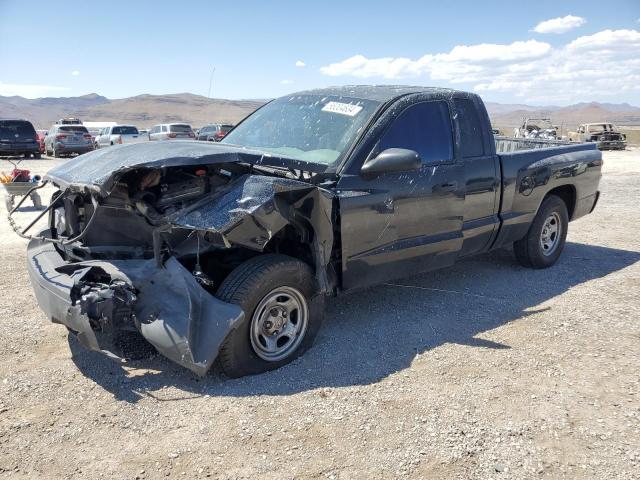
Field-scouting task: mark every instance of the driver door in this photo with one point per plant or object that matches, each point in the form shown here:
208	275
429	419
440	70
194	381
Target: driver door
401	223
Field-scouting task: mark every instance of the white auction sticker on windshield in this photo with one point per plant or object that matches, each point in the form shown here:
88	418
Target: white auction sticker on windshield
342	108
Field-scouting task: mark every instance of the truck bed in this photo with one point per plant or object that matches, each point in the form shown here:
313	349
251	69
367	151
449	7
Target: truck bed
510	144
535	167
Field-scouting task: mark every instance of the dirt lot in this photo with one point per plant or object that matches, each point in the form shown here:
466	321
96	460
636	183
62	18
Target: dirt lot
484	370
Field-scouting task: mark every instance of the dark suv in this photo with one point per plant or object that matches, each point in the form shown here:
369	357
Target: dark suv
213	132
18	137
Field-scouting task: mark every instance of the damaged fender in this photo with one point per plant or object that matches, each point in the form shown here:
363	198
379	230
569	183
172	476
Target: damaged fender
258	207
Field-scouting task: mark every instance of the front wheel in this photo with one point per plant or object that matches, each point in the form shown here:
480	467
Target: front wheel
282	317
543	244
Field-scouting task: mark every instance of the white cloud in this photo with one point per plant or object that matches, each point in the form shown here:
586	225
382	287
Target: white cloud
605	64
560	24
75	73
30	91
608	40
286	82
300	63
461	61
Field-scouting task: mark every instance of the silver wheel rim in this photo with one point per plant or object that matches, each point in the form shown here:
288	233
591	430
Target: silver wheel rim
551	233
279	324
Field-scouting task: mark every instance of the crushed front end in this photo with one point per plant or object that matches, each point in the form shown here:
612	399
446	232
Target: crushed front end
611	141
102	302
143	250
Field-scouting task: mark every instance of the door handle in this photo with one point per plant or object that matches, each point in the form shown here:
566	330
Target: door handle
446	187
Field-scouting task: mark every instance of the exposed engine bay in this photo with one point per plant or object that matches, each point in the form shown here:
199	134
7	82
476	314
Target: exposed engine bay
194	211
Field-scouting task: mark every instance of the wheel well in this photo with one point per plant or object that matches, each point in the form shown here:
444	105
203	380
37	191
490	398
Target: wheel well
293	242
568	195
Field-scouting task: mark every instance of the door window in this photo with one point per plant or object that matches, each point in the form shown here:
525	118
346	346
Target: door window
425	128
470	128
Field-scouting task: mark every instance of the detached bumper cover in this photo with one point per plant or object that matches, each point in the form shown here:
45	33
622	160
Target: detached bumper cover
98	300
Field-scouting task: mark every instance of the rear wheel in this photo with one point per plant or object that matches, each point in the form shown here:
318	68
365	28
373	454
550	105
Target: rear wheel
281	320
543	244
37	156
55	152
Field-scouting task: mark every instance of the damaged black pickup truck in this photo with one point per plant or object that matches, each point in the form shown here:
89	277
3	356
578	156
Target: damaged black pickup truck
226	251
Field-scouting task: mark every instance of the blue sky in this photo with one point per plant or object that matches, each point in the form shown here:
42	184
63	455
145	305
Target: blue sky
120	49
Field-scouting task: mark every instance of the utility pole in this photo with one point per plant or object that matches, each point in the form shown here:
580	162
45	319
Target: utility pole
211	81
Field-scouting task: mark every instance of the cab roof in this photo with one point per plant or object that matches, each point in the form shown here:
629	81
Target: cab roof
379	93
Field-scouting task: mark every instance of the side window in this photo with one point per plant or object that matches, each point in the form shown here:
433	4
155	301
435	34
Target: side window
164	128
425	128
471	133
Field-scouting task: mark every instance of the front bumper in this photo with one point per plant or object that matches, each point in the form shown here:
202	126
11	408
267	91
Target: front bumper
100	300
73	148
19	148
612	145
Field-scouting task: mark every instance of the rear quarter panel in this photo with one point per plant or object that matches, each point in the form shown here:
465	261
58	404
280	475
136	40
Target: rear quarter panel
528	176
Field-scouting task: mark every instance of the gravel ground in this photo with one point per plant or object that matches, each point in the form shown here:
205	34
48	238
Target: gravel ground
484	370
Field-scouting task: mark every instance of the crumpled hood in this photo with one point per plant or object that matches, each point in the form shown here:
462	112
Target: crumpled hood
100	169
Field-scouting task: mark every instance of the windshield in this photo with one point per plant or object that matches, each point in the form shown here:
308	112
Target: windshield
311	128
76	129
124	130
16	128
605	127
180	128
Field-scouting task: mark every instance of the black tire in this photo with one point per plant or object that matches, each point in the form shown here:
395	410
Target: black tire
55	153
37	156
247	286
530	251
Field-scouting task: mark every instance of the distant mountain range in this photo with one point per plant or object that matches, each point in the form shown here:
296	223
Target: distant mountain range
511	115
147	110
141	110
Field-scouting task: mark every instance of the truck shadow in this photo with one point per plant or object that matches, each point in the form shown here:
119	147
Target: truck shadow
376	332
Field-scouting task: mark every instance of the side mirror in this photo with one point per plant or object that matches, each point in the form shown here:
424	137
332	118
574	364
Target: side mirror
392	160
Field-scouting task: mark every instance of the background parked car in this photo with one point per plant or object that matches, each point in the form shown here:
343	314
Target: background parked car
118	135
94	134
67	139
18	137
213	132
172	131
604	134
41	134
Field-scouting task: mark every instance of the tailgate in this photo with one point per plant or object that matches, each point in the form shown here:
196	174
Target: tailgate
131	138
